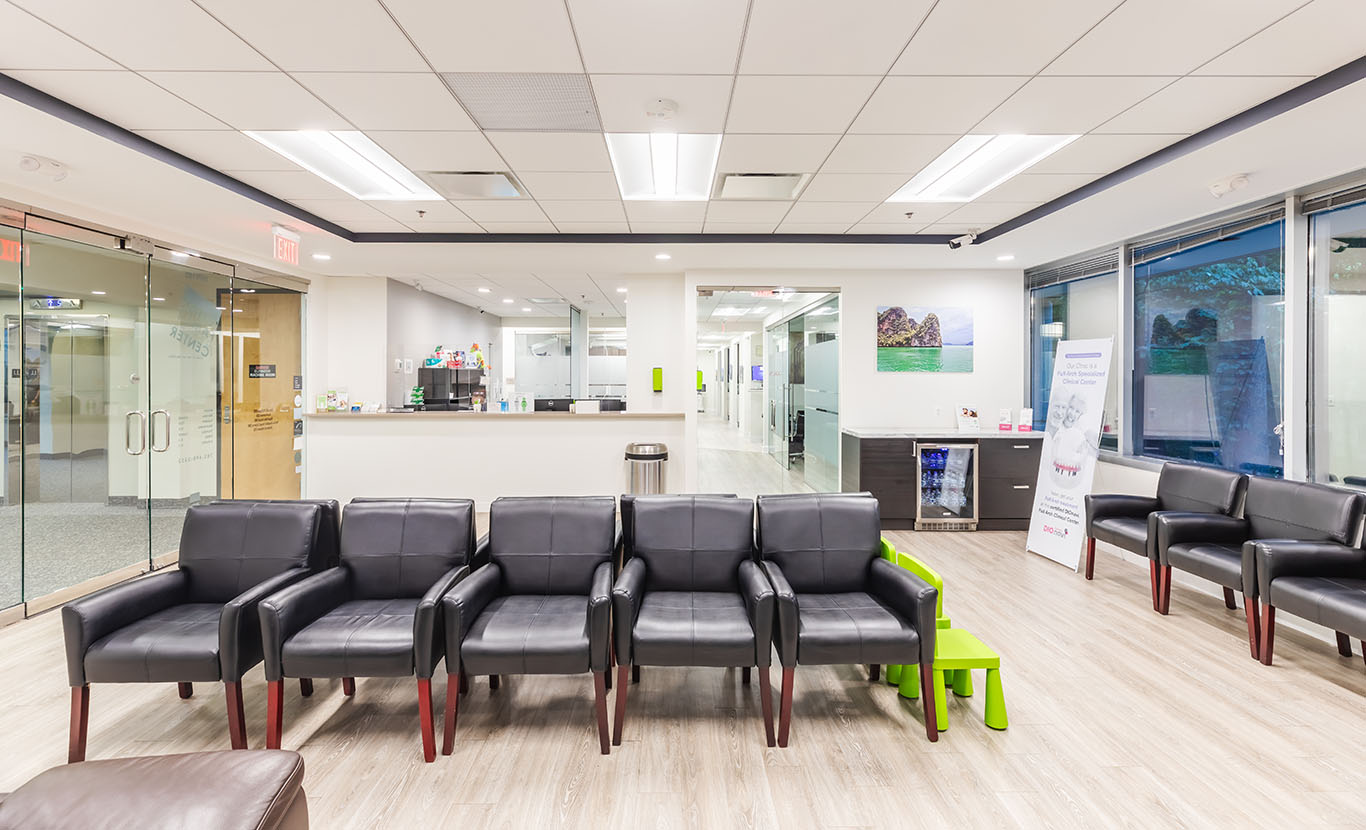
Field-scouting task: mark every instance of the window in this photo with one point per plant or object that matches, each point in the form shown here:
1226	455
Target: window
1339	315
1076	310
1208	326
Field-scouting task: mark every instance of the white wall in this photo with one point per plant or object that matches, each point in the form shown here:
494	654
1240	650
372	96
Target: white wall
347	325
419	321
655	333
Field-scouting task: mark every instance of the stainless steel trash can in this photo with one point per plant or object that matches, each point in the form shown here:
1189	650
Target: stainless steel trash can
646	462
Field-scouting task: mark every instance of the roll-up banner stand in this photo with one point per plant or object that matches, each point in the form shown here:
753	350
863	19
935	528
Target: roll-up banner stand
1071	441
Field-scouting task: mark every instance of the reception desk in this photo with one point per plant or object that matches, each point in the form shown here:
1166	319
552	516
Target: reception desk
480	455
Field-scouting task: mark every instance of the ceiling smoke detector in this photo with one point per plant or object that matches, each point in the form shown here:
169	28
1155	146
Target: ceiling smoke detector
661	109
51	168
1223	187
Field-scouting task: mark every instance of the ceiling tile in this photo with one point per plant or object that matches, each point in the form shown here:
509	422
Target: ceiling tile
343	210
571	185
739	227
666	227
989	213
291	185
439	150
921	212
933	105
1166	37
125	98
220	149
817	37
639	211
1032	187
553	152
320	35
506	36
810	213
623	101
583	211
852	187
488	210
518	227
746	211
796	104
888	228
1068	105
31	43
960	37
593	227
1193	103
774	153
886	153
389	101
252	100
823	227
150	34
701	37
406	212
1097	153
1334	27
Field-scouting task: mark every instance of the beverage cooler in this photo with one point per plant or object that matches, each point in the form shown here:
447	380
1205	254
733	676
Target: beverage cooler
948	486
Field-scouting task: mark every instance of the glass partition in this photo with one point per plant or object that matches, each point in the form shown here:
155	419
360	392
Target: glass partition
11	543
541	364
821	398
1339	313
1077	310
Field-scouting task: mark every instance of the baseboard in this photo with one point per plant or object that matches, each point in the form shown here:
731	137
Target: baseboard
12	615
65	595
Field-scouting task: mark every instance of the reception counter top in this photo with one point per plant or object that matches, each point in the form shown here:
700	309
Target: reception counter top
942	433
466	415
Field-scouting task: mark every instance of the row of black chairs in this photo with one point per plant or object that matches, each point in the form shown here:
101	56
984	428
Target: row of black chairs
393	587
1285	545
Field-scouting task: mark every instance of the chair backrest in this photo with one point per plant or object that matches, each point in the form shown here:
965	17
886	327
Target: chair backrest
1279	509
824	542
1195	489
628	501
228	548
926	573
551	545
398	548
328	548
693	543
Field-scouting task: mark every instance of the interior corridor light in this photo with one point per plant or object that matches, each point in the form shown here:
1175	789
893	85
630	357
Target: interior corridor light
664	166
322	257
976	164
662	257
349	160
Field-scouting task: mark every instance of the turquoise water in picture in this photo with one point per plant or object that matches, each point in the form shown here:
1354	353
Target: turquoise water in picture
944	359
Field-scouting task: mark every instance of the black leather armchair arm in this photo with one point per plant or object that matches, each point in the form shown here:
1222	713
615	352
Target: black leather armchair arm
481	553
428	638
600	618
758	595
626	598
463	603
1108	506
287	612
102	613
239	627
785	634
1286	557
911	597
1169	528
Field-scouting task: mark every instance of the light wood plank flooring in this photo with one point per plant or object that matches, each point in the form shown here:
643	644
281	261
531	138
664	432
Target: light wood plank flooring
1119	717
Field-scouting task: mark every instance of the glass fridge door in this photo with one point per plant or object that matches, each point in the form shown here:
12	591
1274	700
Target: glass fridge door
948	486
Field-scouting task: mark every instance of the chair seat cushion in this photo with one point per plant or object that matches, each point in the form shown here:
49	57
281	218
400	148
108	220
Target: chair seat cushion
528	634
1217	563
837	629
1338	603
179	644
701	628
360	638
1121	531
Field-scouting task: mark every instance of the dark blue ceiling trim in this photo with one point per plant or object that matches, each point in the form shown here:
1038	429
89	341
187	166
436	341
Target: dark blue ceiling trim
663	238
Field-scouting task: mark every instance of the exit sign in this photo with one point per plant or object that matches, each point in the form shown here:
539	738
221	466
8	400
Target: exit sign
10	250
286	245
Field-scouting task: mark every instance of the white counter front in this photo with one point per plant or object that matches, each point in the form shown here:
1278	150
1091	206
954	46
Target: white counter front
480	456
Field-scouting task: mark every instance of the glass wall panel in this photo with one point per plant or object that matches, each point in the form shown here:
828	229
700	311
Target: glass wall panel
1076	310
11	542
821	458
1208	331
776	361
541	364
1339	309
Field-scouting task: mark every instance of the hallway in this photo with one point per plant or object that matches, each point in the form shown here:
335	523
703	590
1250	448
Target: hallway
729	463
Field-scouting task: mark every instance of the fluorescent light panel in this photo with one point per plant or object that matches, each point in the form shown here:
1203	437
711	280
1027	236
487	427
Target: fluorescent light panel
976	164
664	167
351	161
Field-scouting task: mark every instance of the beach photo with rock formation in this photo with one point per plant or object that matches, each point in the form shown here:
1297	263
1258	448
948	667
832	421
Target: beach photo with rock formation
924	339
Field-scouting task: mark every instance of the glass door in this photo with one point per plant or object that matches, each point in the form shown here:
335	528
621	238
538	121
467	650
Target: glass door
778	395
11	501
821	398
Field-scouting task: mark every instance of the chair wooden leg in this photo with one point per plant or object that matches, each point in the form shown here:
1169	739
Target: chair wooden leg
1344	645
1254	635
305	686
1268	638
493	683
744	675
237	721
452	711
185	689
424	712
766	701
874	672
927	700
1363	650
635	674
80	723
275	705
600	707
622	686
464	682
1165	603
1090	557
348	686
1154	584
1229	601
785	706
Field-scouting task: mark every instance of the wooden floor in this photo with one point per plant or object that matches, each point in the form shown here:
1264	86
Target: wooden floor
1119	717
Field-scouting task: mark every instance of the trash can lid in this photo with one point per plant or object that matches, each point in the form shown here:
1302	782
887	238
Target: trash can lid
647	451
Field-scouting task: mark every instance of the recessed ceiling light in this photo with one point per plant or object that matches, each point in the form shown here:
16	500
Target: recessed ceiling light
180	255
976	164
246	291
621	290
507	299
664	166
730	312
525	309
663	256
322	257
483	290
237	311
159	299
98	293
221	308
349	160
1005	257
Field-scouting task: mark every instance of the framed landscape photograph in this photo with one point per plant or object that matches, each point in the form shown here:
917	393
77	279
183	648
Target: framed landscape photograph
924	339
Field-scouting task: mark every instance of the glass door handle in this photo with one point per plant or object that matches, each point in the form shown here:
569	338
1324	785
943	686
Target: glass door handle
142	432
166	433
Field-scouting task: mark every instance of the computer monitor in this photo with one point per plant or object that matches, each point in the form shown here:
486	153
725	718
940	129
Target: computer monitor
756	373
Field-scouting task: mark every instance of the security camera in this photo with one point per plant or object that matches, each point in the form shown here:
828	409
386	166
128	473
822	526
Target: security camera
959	241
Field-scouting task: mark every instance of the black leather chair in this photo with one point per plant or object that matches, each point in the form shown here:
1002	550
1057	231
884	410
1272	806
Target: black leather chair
195	623
377	613
327	549
1301	559
692	594
1127	521
542	604
839	602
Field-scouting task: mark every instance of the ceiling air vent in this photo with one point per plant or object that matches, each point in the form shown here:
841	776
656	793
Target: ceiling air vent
527	101
773	186
475	185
